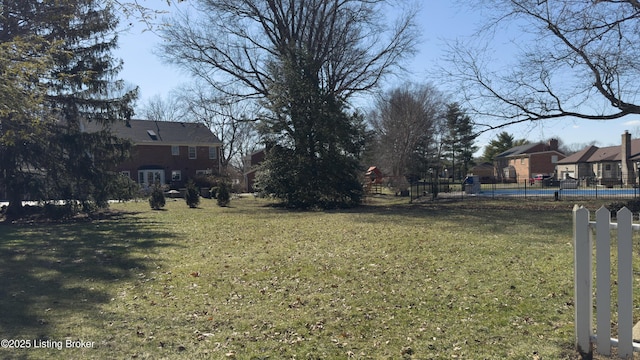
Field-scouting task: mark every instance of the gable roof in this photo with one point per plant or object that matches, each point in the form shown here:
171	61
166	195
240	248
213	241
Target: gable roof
532	148
581	156
517	150
609	153
594	154
147	132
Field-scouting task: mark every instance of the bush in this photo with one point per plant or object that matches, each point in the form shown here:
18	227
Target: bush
223	195
192	196
59	212
157	200
633	205
123	188
326	183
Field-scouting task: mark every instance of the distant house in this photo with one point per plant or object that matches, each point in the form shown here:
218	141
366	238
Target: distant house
251	166
485	171
167	153
523	162
612	165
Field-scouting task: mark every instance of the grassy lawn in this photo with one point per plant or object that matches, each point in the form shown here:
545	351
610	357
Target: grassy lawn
475	279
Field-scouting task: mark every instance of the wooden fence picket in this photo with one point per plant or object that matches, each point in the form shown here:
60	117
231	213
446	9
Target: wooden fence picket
603	280
625	283
583	287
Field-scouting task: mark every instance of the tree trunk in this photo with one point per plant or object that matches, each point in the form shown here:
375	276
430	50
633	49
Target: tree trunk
15	209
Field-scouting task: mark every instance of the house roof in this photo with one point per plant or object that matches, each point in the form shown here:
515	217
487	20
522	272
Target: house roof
528	149
484	165
518	150
594	154
159	132
581	156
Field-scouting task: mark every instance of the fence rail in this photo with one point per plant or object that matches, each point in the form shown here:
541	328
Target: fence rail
583	229
538	190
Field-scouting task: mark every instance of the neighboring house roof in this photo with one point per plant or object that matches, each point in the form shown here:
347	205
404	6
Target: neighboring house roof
579	157
146	132
484	165
517	150
594	154
528	149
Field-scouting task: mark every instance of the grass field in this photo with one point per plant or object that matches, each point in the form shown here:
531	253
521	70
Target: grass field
476	280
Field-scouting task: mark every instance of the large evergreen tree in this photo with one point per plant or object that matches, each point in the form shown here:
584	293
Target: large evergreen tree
459	141
67	46
83	89
315	158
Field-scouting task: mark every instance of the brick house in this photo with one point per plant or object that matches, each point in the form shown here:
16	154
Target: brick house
607	166
169	153
523	162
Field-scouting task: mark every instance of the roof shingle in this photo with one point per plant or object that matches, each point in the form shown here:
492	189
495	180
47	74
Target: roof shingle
159	132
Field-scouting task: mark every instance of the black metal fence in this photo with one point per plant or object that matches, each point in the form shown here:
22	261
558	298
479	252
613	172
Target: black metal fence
548	189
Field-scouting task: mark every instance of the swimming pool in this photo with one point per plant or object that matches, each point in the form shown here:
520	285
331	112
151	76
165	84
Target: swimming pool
595	192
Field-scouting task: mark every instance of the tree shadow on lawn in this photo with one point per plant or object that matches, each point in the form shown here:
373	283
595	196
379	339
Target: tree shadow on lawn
49	272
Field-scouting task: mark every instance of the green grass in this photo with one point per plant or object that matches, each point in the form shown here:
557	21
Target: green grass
474	280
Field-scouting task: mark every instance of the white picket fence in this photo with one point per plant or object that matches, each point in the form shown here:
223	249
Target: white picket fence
583	249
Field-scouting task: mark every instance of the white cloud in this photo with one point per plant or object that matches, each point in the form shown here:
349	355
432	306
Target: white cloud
632	123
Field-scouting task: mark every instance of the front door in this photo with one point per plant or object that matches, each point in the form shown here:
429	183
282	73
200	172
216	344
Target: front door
150	177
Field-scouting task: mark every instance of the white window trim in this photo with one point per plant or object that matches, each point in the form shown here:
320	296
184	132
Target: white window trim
175	150
176	172
213	150
195	152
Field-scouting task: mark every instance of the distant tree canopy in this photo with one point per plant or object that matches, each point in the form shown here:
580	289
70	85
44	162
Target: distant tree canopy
407	123
303	61
57	72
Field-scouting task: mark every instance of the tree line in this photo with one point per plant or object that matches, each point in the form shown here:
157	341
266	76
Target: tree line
288	72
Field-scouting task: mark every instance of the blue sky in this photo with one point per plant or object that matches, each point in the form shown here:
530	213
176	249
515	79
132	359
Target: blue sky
440	21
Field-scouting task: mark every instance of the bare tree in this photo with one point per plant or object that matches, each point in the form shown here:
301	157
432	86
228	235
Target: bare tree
406	122
235	42
158	108
231	121
583	61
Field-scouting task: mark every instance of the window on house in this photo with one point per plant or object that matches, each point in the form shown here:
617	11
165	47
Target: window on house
607	167
150	177
192	152
203	172
554	159
152	134
175	150
522	161
213	152
176	175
